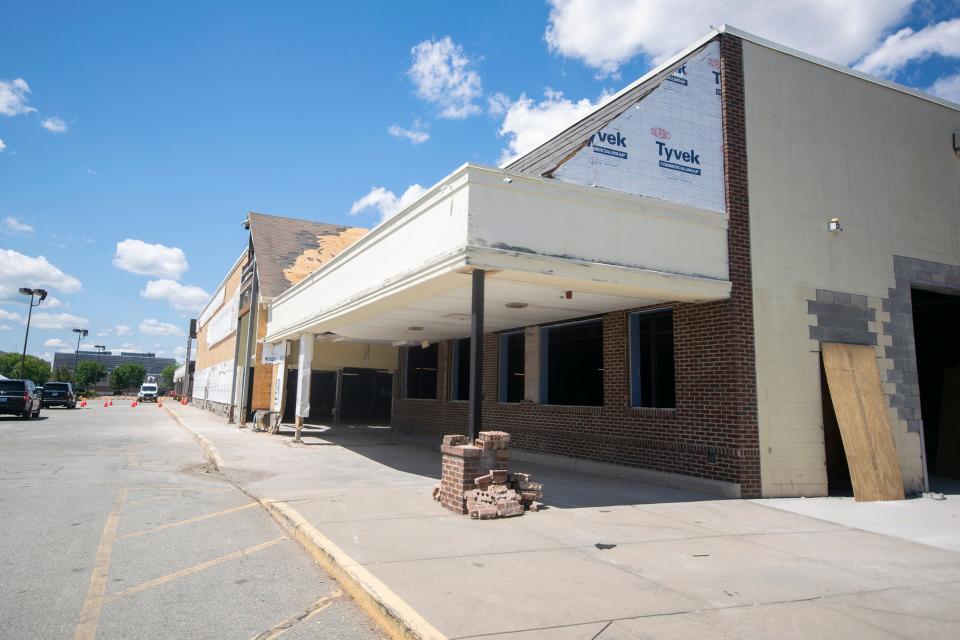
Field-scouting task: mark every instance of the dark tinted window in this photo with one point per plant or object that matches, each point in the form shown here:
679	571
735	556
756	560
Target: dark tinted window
421	372
461	369
651	355
511	367
574	364
12	385
57	386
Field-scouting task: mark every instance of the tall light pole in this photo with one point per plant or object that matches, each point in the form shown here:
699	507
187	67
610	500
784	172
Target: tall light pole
81	334
100	349
30	292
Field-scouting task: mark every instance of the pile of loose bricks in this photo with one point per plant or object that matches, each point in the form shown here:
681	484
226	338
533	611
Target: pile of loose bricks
476	479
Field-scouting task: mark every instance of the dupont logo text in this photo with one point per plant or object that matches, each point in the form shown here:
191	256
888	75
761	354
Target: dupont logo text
659	132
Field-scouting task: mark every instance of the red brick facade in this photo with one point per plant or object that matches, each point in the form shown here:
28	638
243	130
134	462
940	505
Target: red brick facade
712	432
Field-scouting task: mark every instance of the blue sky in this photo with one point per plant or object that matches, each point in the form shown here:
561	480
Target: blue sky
165	124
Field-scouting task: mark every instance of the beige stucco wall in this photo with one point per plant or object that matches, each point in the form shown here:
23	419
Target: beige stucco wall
823	144
330	356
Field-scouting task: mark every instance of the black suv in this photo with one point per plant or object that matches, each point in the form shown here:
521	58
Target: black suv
59	394
20	398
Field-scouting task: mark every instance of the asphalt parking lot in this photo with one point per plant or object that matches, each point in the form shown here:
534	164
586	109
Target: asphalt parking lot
115	526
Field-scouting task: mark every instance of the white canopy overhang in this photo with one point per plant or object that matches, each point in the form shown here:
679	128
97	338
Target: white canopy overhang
552	251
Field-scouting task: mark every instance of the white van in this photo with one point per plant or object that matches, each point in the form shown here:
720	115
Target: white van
148	392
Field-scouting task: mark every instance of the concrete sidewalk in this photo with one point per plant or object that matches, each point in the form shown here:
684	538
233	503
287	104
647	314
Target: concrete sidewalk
608	558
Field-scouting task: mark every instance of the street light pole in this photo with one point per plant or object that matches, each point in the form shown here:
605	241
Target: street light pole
26	336
81	334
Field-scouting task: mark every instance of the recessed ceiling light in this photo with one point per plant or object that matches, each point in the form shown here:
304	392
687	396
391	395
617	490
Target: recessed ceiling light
458	316
516	305
414	328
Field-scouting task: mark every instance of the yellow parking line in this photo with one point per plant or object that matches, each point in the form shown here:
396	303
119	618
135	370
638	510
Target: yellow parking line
194	569
180	523
90	614
309	612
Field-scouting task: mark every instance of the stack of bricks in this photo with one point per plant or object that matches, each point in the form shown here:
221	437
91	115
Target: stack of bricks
500	495
480	471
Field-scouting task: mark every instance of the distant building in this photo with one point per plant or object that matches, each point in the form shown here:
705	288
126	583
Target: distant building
153	365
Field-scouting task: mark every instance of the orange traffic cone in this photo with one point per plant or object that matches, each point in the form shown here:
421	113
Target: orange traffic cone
105	404
133	404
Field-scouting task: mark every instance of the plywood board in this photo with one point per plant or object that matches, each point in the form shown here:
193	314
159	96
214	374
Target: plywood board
861	407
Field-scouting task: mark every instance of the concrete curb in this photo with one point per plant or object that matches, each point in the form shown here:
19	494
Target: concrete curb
208	447
390	611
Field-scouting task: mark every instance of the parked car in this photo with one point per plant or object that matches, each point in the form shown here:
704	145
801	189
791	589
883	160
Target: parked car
20	398
59	394
148	392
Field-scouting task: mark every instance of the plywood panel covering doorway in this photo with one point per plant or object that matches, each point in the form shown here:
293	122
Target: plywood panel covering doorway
861	408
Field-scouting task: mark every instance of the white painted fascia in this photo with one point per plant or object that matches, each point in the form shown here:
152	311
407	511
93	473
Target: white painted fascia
389	225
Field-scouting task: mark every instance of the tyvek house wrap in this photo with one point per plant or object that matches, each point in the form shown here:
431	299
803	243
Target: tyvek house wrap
668	144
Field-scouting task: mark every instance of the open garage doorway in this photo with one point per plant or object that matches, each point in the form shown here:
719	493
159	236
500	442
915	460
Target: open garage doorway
366	396
936	326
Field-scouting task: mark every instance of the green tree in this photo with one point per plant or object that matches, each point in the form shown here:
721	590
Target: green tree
90	373
34	368
62	374
127	375
167	375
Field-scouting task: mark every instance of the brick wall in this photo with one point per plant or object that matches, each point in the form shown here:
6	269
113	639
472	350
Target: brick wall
712	432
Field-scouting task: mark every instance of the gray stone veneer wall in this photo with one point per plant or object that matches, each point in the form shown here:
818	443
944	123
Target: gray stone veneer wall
846	317
920	274
842	317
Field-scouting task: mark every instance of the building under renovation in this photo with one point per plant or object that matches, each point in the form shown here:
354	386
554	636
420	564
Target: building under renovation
233	372
738	275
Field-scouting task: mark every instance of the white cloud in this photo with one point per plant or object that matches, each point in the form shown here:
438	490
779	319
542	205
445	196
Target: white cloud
604	35
46	355
146	259
907	45
54	124
415	136
55	343
528	124
183	298
12	224
5	327
13	97
19	270
443	74
117	330
386	202
9	315
2	145
947	87
43	320
153	327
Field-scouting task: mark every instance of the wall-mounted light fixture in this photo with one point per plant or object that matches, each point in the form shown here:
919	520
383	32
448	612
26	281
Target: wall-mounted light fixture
834	225
956	143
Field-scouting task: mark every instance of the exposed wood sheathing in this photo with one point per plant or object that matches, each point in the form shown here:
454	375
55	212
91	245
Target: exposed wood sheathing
288	249
861	407
313	258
